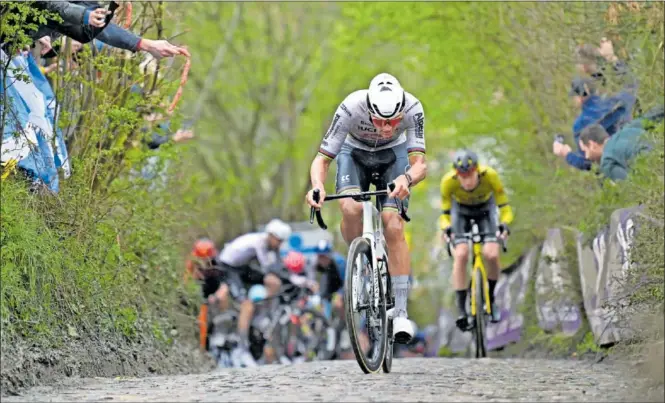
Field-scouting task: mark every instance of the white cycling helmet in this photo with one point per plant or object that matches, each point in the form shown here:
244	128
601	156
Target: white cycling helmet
279	229
385	97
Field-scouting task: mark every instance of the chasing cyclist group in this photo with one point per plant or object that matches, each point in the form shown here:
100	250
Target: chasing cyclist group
386	125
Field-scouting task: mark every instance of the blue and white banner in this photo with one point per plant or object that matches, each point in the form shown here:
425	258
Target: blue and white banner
29	134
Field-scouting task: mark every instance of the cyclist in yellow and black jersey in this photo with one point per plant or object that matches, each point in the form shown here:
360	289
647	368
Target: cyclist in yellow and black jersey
473	191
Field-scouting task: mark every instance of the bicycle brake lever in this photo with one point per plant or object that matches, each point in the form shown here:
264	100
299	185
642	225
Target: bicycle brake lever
320	221
402	212
316	196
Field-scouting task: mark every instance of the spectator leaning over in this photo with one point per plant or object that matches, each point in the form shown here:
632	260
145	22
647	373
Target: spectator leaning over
91	13
121	38
78	22
614	153
608	112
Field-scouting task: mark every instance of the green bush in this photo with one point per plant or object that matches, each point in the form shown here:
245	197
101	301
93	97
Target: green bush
104	255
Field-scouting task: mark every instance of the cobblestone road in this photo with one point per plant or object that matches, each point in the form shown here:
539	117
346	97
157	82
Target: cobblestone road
414	380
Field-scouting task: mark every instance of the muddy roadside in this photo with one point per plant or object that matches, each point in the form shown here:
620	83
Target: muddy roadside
26	364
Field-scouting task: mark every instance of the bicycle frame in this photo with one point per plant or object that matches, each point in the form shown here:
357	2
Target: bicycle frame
477	240
478	265
373	232
372	227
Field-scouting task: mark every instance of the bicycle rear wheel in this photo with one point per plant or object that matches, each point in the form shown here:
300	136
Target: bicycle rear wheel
480	317
323	337
360	297
390	349
283	336
390	340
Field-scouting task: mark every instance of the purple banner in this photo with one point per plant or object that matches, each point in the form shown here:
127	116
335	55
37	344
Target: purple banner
509	295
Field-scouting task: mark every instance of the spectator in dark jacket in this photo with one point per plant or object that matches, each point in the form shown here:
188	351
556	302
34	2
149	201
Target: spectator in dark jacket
91	13
613	153
78	22
610	112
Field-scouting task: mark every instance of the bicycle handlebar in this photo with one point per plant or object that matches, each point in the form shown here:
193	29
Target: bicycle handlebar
359	196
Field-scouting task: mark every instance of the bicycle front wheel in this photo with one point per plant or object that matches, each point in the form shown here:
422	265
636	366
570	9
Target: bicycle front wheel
365	308
480	317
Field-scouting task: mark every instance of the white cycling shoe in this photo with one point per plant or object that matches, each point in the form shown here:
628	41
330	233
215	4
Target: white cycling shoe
402	328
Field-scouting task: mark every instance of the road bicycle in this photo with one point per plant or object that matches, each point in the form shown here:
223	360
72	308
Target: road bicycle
369	275
479	288
298	329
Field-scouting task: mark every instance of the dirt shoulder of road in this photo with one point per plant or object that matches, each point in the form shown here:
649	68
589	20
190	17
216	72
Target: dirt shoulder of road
26	364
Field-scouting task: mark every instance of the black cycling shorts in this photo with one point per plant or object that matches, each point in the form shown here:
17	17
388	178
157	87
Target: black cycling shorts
353	176
214	278
484	215
251	277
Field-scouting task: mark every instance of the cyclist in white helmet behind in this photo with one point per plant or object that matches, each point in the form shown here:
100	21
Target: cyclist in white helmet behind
386	125
238	262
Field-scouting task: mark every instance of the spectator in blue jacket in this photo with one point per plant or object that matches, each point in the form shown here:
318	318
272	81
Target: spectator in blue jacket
610	112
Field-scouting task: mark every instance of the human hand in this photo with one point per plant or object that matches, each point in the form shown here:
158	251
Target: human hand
606	49
401	189
97	18
310	198
162	48
447	234
561	150
45	41
503	231
182	134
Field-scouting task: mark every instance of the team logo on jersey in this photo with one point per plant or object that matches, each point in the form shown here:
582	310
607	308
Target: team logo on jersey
333	127
345	109
419	123
366	127
411	107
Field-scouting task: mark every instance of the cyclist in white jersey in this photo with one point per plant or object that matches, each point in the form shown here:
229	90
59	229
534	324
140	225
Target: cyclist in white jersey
236	263
386	125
